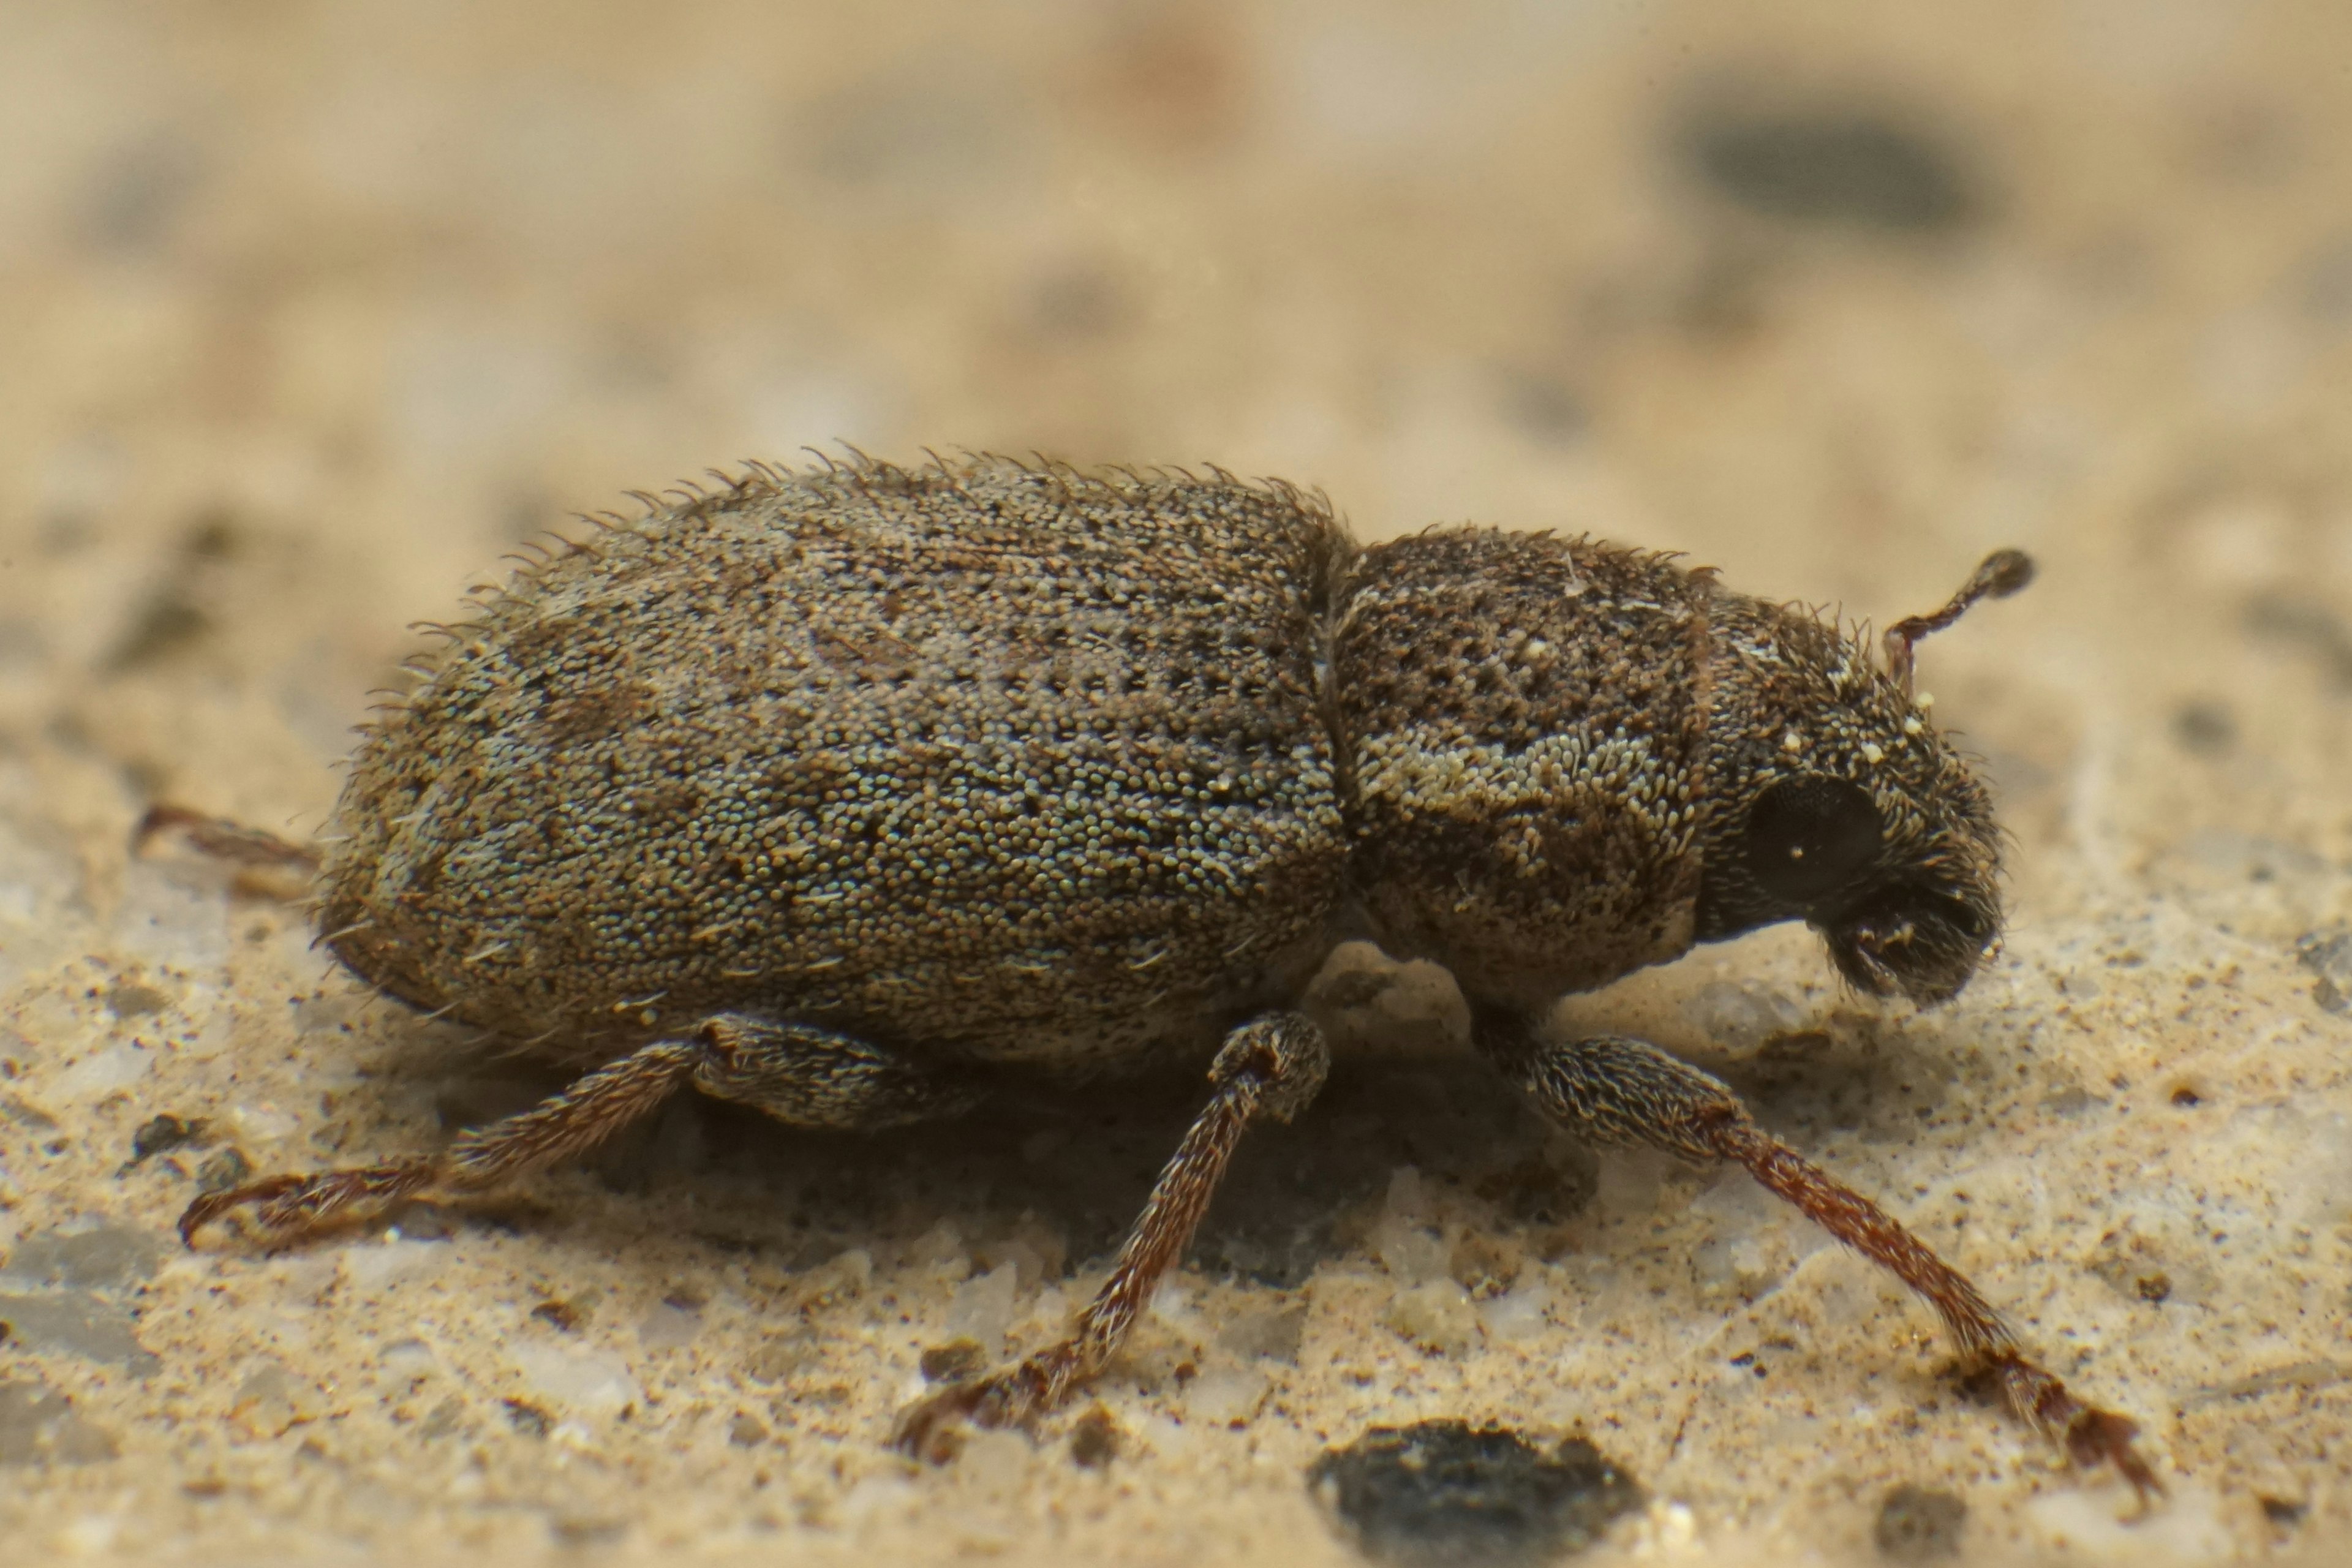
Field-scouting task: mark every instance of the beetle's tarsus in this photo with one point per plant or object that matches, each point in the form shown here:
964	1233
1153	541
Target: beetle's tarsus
2091	1436
931	1428
289	1206
2098	1437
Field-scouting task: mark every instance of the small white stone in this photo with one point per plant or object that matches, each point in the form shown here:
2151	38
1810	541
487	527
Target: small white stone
1740	1018
1049	1308
589	1380
171	925
838	1278
1226	1396
1408	1195
1406	1245
1668	1528
983	1307
407	1358
261	1123
1520	1312
102	1072
1172	1304
573	1436
665	1327
942	1248
883	1492
2099	1525
272	1398
90	1535
1436	1316
369	1269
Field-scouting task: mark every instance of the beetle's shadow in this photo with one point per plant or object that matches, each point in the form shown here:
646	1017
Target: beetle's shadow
1083	1160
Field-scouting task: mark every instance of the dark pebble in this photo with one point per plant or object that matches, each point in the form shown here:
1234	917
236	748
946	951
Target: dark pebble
162	1134
1919	1525
225	1170
953	1362
528	1419
1846	169
561	1315
1095	1440
2207	727
575	1532
1443	1491
2285	1513
25	1114
2308	626
2328	955
129	999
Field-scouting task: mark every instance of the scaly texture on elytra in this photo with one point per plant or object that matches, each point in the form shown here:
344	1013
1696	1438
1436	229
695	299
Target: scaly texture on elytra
1005	762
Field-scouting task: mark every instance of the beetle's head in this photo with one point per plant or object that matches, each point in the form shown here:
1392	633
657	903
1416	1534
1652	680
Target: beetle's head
1832	799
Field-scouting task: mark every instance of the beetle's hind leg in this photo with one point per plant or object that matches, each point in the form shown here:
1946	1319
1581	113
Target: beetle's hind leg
267	865
224	839
1271	1068
1621	1091
807	1076
583	1115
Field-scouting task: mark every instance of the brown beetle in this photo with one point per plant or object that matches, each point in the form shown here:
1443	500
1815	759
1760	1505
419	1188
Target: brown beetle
852	794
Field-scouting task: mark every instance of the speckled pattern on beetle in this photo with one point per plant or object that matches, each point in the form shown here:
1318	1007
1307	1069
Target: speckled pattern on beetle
849	793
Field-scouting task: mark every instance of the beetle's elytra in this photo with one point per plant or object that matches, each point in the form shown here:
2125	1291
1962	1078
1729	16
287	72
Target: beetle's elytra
853	793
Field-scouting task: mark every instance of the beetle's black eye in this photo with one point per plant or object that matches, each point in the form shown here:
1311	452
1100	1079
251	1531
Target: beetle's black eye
1808	837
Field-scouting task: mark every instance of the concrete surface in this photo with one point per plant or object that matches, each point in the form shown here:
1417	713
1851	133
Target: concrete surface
309	311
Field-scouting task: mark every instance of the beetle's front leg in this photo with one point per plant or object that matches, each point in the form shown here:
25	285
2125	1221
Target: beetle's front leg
1271	1068
1621	1091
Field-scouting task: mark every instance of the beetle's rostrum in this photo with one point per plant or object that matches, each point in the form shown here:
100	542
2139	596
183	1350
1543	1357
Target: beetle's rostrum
856	794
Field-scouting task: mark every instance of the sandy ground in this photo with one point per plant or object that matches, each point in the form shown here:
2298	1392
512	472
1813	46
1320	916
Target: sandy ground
309	311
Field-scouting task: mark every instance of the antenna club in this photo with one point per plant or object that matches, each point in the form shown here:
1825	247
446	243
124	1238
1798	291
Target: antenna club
2006	572
1997	577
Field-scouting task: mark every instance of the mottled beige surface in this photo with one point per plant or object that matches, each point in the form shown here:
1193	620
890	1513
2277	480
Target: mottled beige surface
307	312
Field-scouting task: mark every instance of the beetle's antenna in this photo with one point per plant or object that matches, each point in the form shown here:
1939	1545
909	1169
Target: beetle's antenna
2002	572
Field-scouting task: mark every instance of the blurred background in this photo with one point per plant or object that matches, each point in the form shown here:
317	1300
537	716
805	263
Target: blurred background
309	312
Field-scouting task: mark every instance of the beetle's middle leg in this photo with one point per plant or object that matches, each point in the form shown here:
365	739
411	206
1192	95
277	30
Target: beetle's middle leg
1621	1091
1270	1068
800	1074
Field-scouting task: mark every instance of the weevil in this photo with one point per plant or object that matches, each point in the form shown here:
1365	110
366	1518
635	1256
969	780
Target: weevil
856	793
